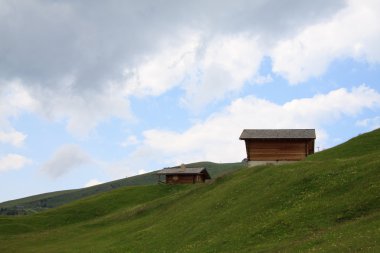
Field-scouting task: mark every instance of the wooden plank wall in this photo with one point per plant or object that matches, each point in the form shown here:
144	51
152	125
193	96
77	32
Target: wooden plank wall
277	150
184	179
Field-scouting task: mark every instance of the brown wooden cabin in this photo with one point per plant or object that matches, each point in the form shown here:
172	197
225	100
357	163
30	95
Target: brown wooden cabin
183	175
276	145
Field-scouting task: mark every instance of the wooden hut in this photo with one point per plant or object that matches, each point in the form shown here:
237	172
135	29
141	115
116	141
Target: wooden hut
183	175
277	145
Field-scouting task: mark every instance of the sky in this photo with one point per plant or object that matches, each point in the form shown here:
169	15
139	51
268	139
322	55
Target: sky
93	91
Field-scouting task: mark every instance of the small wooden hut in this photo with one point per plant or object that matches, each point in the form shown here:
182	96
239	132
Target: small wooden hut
277	145
183	175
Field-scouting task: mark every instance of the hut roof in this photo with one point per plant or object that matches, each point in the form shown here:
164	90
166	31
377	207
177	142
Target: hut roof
277	134
186	171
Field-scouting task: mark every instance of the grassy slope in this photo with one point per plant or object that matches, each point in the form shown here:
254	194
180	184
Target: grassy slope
50	200
330	202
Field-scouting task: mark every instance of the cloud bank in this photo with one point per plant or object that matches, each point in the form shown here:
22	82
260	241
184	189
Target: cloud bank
81	62
352	33
216	138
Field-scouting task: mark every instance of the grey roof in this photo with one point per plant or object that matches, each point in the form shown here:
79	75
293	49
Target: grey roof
277	134
168	171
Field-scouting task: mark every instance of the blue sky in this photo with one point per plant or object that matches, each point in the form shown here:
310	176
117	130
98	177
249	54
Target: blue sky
92	92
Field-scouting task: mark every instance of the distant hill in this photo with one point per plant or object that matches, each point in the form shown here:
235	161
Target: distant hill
329	202
46	201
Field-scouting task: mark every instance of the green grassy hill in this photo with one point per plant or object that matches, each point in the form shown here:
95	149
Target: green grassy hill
46	201
328	203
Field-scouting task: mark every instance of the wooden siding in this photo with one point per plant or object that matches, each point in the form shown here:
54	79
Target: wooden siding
184	179
278	149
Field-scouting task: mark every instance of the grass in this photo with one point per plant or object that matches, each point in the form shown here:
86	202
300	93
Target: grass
47	201
328	203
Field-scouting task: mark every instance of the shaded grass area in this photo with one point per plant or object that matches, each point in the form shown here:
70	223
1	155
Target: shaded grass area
323	204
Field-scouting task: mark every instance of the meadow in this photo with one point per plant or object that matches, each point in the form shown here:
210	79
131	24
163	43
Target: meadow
329	202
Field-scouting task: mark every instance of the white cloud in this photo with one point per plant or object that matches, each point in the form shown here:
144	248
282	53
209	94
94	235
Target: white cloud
164	69
127	167
130	141
371	123
14	99
326	108
224	66
216	139
84	112
141	171
92	182
263	79
14	138
65	159
13	162
207	69
353	32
